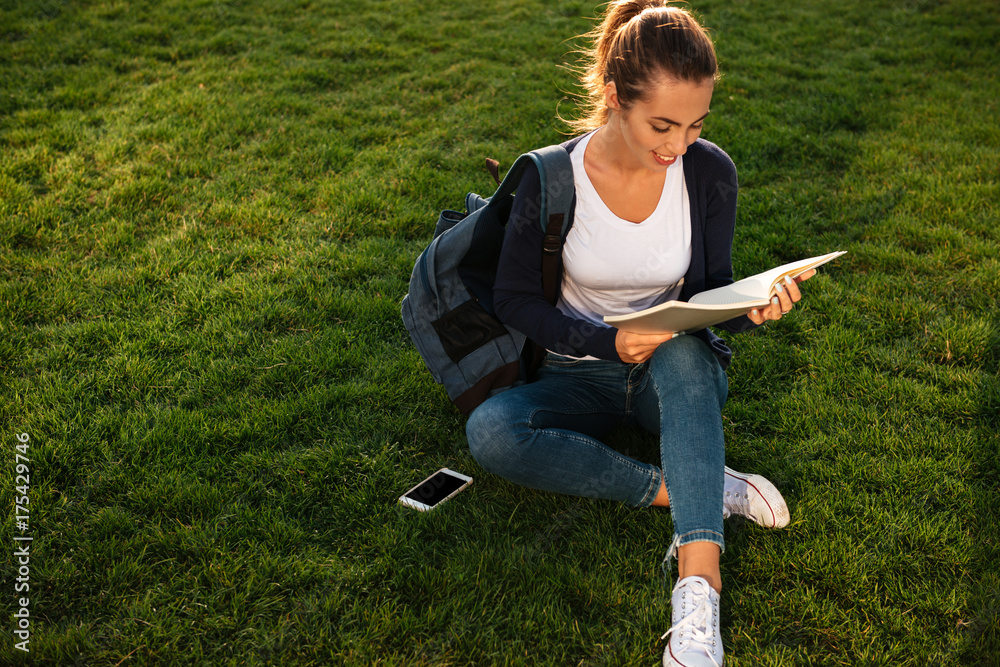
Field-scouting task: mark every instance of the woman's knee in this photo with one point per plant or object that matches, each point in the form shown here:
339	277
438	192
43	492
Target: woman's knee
491	433
477	428
687	363
684	355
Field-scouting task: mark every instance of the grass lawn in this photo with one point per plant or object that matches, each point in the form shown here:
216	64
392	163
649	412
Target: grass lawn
208	215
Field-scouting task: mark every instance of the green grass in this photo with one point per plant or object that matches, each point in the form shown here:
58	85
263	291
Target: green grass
208	216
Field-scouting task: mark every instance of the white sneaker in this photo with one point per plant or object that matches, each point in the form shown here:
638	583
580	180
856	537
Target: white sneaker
755	498
694	636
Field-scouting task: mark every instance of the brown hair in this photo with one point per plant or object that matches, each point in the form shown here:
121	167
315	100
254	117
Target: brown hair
637	43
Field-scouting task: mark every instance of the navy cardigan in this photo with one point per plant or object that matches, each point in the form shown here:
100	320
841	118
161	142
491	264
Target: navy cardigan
710	176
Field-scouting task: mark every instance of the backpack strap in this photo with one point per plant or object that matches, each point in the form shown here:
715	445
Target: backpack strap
556	172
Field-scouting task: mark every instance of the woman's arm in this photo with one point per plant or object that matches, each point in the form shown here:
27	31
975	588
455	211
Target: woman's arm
518	294
720	226
721	188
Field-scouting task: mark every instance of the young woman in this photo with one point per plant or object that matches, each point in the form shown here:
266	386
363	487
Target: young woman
653	220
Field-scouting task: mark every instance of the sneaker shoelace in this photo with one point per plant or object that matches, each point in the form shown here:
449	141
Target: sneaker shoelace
737	503
696	630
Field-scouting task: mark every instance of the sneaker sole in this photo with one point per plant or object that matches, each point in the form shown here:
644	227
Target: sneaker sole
769	493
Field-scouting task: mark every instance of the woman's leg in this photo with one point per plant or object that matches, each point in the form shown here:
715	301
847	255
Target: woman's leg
682	400
544	435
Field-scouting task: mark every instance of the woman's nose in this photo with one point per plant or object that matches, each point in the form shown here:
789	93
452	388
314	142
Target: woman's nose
677	144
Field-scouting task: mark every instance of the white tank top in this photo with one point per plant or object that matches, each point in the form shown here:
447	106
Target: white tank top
612	266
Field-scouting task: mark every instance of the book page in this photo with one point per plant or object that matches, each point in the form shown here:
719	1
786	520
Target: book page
714	306
760	287
752	289
678	316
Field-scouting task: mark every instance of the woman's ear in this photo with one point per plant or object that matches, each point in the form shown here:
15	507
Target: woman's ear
611	97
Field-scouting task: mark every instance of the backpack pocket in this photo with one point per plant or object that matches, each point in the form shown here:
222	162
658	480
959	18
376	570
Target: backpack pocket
466	328
446	221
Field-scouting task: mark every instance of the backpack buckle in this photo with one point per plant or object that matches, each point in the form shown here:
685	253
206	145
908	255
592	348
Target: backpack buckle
551	243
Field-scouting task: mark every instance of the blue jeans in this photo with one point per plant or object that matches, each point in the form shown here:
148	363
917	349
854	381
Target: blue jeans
546	435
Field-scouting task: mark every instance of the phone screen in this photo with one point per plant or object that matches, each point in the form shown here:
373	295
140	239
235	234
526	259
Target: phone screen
435	488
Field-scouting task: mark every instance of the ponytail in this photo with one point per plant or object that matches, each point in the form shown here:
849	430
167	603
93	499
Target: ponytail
638	43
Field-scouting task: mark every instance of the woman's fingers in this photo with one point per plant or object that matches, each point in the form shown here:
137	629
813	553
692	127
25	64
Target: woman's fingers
781	304
792	288
783	299
805	276
635	348
787	295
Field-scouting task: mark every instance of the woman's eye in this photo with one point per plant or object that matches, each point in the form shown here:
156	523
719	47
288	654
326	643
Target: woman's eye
661	130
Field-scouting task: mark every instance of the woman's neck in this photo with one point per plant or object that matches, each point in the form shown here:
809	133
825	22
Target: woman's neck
629	190
613	152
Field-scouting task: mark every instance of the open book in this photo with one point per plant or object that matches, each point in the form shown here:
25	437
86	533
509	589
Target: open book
715	305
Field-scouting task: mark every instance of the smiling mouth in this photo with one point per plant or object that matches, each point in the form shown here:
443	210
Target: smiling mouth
665	159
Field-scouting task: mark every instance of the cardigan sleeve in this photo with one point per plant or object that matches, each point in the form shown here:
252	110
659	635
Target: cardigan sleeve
518	292
720	226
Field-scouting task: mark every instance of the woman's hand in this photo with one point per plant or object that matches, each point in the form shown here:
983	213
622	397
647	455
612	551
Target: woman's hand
788	295
635	348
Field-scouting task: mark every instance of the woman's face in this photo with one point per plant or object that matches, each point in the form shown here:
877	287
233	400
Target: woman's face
660	127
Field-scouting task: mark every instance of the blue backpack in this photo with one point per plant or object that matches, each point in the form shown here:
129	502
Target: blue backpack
449	309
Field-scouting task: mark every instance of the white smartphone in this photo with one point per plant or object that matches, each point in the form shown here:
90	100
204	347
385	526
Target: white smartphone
434	490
